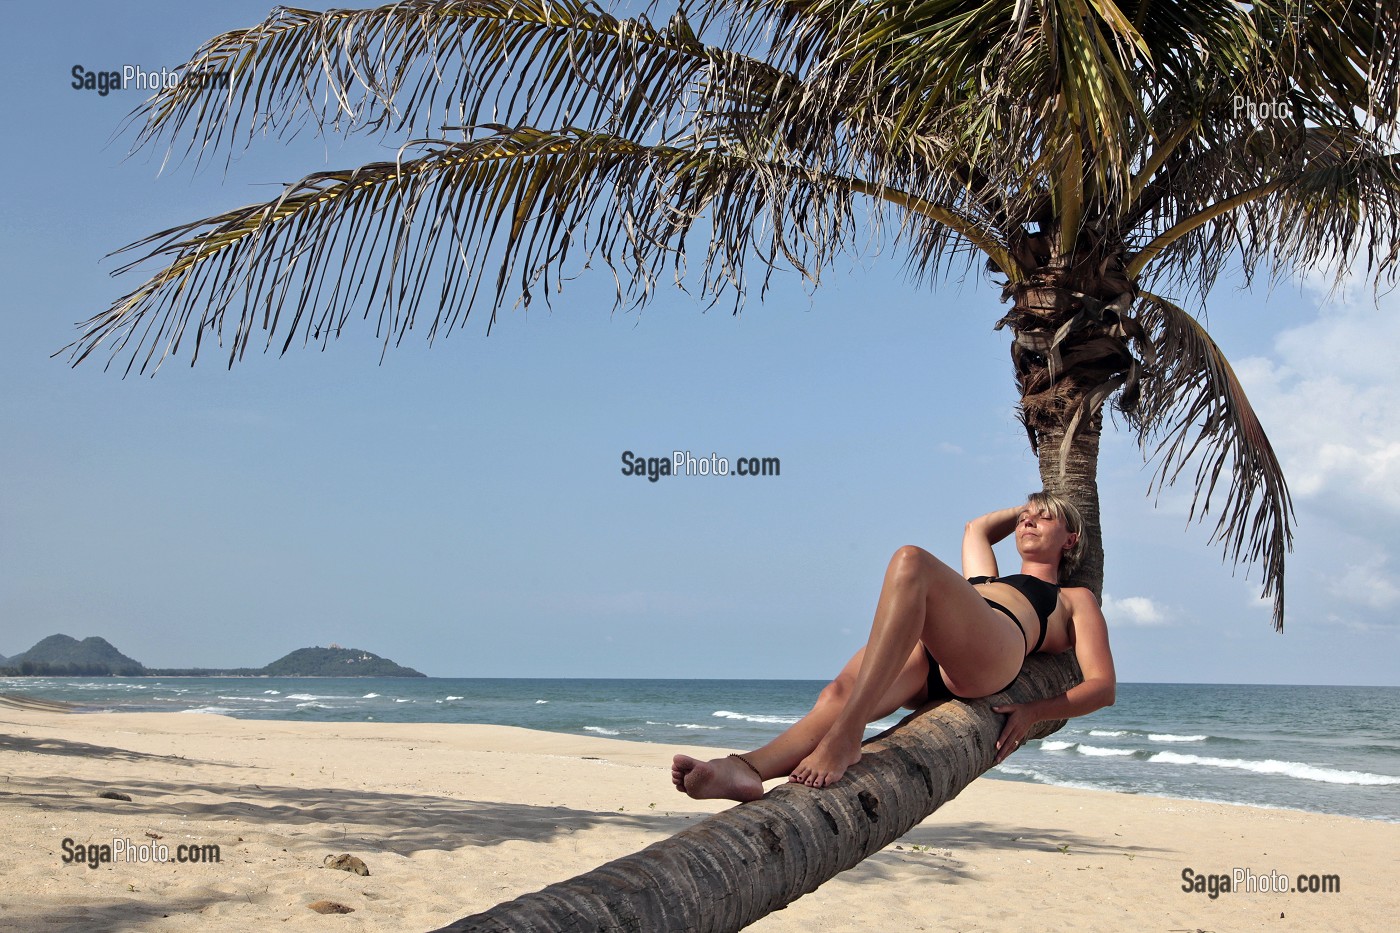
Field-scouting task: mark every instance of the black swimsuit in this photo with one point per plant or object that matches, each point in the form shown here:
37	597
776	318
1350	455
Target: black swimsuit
1043	598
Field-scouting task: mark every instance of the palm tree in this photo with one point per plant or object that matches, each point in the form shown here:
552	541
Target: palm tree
1097	157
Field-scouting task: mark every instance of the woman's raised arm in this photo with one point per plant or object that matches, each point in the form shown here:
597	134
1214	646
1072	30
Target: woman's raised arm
981	533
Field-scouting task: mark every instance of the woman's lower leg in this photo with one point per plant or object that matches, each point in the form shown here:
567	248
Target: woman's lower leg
899	621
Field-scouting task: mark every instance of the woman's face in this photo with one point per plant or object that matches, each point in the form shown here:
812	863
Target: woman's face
1042	536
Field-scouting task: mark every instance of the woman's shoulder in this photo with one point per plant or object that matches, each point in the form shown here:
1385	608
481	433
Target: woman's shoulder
1081	600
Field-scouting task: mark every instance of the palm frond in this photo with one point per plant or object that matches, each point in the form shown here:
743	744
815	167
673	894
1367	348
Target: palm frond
1193	408
1330	194
412	67
519	199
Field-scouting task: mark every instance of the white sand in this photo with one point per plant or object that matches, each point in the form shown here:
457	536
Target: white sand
452	819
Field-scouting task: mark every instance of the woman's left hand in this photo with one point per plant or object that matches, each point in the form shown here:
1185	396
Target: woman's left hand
1019	720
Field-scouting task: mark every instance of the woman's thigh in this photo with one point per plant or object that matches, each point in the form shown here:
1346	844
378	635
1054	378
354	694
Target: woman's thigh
978	647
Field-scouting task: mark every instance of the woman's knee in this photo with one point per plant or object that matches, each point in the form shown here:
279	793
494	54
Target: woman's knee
910	563
838	691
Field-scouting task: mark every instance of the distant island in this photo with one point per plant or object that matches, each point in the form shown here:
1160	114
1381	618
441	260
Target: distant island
64	656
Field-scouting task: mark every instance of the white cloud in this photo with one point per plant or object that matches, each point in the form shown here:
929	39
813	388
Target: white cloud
1133	611
1366	582
1328	395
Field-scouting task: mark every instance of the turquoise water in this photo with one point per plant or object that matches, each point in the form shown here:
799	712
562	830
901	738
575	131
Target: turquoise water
1321	749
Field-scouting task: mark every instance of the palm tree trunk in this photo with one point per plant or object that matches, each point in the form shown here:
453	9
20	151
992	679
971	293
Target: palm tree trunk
737	866
1079	484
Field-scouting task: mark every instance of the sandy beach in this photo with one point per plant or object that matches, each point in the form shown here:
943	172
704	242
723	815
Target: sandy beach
452	819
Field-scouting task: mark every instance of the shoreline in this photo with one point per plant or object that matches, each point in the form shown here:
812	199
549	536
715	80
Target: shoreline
18	701
452	818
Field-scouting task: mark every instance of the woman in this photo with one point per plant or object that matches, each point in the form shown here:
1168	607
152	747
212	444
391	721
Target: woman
938	635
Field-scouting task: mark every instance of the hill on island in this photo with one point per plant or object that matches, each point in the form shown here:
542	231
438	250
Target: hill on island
65	655
336	661
62	656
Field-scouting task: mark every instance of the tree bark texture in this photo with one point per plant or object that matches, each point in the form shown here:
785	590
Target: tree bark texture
1079	484
737	866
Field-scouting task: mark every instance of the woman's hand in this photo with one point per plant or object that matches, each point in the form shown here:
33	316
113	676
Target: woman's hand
1019	719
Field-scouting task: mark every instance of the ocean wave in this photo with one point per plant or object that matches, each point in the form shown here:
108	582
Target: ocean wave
312	704
682	725
402	700
369	696
450	697
244	699
1293	769
537	702
273	692
1108	733
600	730
213	710
771	720
1041	778
1093	751
1168	737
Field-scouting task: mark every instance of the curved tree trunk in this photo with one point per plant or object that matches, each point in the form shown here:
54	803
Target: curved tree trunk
737	866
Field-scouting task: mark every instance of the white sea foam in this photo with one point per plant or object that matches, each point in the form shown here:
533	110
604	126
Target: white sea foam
244	699
1292	769
537	702
450	697
303	696
312	704
402	700
369	696
600	730
1093	751
215	710
1108	733
1039	778
273	692
682	725
772	720
1168	737
1096	752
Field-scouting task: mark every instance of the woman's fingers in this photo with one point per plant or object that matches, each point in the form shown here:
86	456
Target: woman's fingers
1011	733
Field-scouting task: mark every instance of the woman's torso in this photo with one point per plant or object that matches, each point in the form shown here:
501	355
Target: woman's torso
1058	635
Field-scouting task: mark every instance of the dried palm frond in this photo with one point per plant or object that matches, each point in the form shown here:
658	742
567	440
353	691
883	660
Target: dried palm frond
1193	408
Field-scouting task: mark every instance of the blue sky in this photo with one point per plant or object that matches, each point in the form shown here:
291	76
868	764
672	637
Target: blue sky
462	510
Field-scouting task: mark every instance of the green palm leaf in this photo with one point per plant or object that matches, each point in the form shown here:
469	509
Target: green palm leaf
1193	408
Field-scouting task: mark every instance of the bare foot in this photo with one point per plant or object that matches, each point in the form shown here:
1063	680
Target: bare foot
828	761
718	779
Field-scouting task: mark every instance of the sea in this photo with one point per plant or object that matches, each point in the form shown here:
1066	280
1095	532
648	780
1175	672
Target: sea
1313	748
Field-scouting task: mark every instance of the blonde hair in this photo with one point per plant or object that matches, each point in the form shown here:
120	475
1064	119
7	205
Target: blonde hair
1064	510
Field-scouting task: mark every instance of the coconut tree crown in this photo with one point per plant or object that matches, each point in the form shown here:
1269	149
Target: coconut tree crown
1097	157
